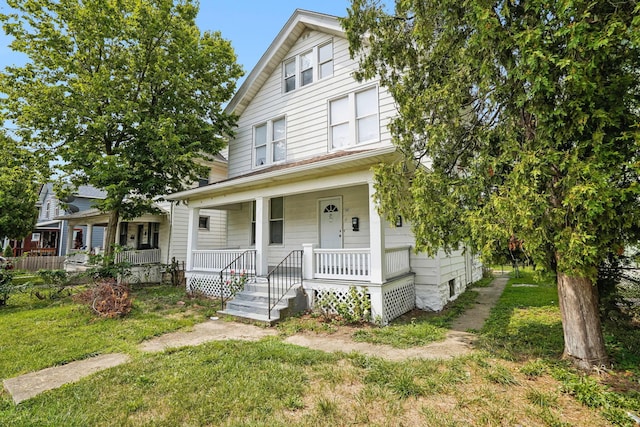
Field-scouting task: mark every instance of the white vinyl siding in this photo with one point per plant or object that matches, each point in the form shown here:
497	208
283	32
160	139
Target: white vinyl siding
307	121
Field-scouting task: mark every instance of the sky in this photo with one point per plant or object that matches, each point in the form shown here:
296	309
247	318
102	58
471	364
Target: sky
250	25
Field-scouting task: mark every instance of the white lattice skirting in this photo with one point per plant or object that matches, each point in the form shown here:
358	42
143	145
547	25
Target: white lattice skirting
207	284
332	298
397	299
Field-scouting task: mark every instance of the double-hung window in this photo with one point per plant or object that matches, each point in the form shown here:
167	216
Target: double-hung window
307	67
354	119
276	221
325	60
269	141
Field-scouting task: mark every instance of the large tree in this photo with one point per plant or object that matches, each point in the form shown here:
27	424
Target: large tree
128	94
19	174
515	118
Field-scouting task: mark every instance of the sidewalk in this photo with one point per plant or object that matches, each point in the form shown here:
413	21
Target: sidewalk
458	342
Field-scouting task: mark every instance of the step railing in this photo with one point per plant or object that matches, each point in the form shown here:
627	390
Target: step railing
283	277
236	274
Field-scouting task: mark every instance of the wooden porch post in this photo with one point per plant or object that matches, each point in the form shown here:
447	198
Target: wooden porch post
69	238
192	235
376	241
308	266
262	236
89	241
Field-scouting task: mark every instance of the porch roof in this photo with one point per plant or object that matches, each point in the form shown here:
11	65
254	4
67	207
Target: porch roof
286	172
95	216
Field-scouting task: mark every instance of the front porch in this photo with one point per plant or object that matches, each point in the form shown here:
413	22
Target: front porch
323	216
322	274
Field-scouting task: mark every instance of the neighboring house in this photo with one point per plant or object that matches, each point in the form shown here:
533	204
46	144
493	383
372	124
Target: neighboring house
298	195
149	240
52	233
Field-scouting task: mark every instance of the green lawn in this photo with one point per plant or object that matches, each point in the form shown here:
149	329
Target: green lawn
516	380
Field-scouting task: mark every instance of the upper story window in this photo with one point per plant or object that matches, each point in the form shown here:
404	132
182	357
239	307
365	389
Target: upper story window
47	214
325	60
353	119
307	67
269	141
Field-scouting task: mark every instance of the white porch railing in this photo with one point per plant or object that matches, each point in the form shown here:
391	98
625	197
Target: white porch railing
139	257
353	264
398	261
215	260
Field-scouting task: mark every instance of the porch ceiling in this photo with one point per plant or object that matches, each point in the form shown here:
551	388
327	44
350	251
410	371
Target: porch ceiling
332	171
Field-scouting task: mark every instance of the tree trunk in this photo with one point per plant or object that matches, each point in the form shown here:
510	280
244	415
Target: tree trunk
112	227
583	339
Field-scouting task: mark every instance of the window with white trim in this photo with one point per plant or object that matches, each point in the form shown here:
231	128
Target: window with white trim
270	143
354	119
325	60
253	222
203	223
276	221
307	67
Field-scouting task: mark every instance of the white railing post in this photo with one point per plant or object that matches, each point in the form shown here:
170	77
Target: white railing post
308	265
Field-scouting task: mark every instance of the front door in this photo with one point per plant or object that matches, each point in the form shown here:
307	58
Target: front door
331	223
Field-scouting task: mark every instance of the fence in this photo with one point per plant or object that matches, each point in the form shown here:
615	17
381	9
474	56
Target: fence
35	263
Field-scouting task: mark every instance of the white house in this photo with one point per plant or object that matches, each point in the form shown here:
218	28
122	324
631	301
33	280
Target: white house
298	195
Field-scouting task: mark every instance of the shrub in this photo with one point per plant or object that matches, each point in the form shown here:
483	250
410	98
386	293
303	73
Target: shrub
8	252
355	308
55	283
6	285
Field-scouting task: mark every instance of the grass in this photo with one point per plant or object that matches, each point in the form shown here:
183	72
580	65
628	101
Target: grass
525	326
418	328
36	334
269	382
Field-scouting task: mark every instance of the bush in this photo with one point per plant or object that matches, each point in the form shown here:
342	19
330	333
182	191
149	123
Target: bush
6	285
55	282
8	252
356	307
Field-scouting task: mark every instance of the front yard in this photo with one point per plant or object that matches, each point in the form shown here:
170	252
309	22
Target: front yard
514	379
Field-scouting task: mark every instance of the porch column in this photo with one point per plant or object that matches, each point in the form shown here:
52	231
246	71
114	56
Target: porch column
192	235
262	236
69	238
308	266
89	237
376	240
117	241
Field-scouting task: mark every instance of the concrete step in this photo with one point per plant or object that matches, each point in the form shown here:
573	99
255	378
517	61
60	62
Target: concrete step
257	307
244	316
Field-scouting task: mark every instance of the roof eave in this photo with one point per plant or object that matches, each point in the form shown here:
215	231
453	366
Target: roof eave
267	63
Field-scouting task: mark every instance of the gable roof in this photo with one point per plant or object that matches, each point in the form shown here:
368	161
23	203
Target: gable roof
300	21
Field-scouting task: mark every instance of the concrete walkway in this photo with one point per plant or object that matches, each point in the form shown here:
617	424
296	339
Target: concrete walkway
458	342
